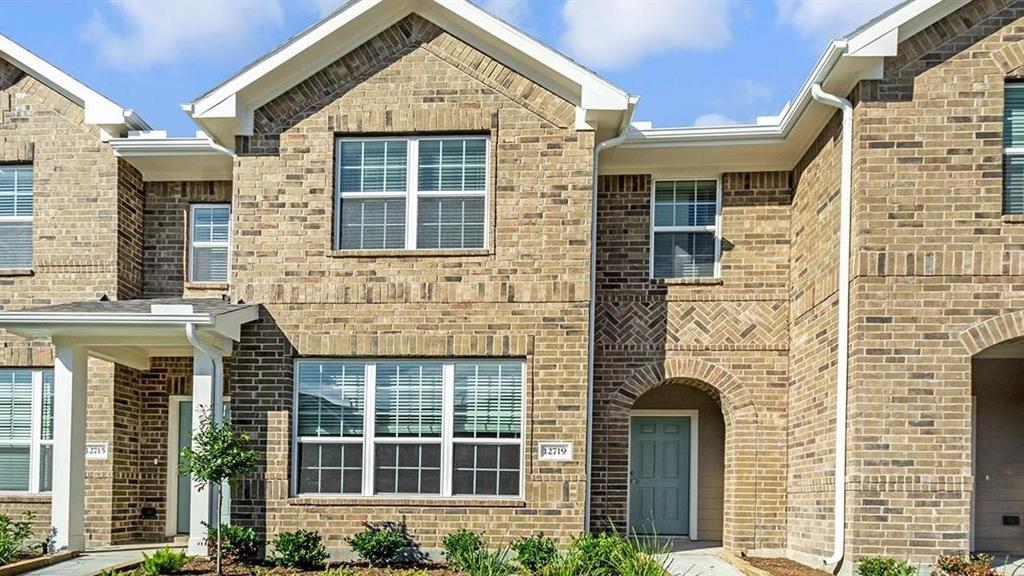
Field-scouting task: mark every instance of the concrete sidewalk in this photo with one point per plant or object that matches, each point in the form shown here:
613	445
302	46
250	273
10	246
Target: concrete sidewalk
697	558
93	561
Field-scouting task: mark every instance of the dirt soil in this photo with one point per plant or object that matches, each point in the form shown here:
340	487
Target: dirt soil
204	567
785	567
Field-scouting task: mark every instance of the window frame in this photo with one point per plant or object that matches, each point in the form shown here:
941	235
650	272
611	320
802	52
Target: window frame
715	229
1009	151
369	440
412	193
192	244
29	219
36	441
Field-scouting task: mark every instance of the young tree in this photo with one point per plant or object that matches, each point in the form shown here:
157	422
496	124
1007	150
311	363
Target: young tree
218	455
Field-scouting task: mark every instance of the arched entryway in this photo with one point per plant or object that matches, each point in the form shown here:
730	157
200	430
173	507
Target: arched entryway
997	427
677	462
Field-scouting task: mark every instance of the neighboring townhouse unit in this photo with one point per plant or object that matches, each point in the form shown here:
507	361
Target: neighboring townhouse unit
439	275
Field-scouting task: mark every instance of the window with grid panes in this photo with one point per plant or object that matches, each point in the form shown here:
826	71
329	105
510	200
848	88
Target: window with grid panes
684	229
26	430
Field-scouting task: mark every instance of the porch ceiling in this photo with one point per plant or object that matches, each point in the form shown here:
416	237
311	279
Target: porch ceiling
130	332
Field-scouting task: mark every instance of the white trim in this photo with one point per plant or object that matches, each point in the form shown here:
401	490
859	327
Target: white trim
193	244
693	415
35	442
446	440
716	229
173	424
412	193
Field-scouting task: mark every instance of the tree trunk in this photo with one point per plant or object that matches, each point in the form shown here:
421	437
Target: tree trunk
220	498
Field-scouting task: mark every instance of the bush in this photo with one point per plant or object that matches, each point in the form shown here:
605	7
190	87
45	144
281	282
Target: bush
964	565
164	561
381	544
485	563
237	542
14	536
460	545
595	553
884	566
303	549
640	557
535	552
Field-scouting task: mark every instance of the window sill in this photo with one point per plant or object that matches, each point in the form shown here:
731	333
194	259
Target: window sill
222	286
24	497
16	272
1013	218
687	281
406	253
427	502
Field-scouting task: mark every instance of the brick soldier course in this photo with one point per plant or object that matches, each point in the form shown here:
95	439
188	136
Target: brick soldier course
935	285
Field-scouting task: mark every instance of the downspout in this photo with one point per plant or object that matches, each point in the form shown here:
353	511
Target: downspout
627	118
218	366
843	359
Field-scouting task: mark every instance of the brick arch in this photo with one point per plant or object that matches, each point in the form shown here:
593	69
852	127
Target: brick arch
993	331
743	444
1010	59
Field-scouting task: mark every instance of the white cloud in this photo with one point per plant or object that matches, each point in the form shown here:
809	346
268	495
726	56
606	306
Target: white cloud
615	33
822	19
512	11
715	119
143	33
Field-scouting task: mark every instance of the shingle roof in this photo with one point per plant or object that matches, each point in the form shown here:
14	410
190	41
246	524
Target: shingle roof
210	306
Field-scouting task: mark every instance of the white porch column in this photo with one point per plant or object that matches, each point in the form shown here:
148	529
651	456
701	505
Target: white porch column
207	400
70	374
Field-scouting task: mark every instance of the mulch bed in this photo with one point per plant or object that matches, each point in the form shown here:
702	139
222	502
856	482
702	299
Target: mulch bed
785	567
205	566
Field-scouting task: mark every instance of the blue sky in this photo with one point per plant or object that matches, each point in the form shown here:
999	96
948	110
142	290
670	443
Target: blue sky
705	62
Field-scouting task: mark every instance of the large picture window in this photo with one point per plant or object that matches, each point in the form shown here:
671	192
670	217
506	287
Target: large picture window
684	229
16	212
1013	149
26	430
411	193
425	428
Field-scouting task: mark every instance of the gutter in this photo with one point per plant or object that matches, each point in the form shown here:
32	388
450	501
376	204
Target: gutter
843	354
627	118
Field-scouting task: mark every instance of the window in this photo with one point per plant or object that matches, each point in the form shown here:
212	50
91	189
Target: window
411	193
684	238
441	428
210	238
1013	154
16	216
26	430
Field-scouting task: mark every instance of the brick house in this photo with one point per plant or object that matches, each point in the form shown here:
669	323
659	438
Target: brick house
439	275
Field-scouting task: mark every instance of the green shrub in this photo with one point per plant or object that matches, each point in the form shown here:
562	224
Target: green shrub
595	553
303	549
380	544
964	565
460	545
340	571
641	556
488	563
534	552
163	561
14	536
237	542
884	566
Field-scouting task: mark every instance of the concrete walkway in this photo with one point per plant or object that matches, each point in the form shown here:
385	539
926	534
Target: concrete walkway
698	559
93	561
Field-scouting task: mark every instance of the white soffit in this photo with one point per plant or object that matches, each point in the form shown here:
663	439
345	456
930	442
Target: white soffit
162	159
779	144
99	111
227	109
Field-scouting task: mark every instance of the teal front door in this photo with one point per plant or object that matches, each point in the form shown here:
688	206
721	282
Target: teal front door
659	475
184	488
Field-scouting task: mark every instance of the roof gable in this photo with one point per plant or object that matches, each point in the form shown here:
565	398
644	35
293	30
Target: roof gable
228	109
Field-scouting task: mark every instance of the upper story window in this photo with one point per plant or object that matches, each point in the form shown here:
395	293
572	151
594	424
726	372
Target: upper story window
1013	146
684	229
209	242
16	216
424	428
26	430
411	193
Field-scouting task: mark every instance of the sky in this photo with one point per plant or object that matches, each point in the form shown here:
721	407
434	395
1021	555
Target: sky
692	62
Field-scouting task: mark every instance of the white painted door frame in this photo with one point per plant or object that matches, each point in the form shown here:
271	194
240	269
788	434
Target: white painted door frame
173	415
693	416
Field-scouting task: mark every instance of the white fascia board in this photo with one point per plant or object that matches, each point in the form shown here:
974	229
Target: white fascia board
144	147
99	110
57	319
907	20
229	324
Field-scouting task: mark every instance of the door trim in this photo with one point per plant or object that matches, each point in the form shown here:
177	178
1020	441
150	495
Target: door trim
173	413
693	416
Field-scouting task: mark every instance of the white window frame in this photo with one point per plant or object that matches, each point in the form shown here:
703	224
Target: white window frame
193	244
1010	151
29	219
412	193
368	440
716	229
36	442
